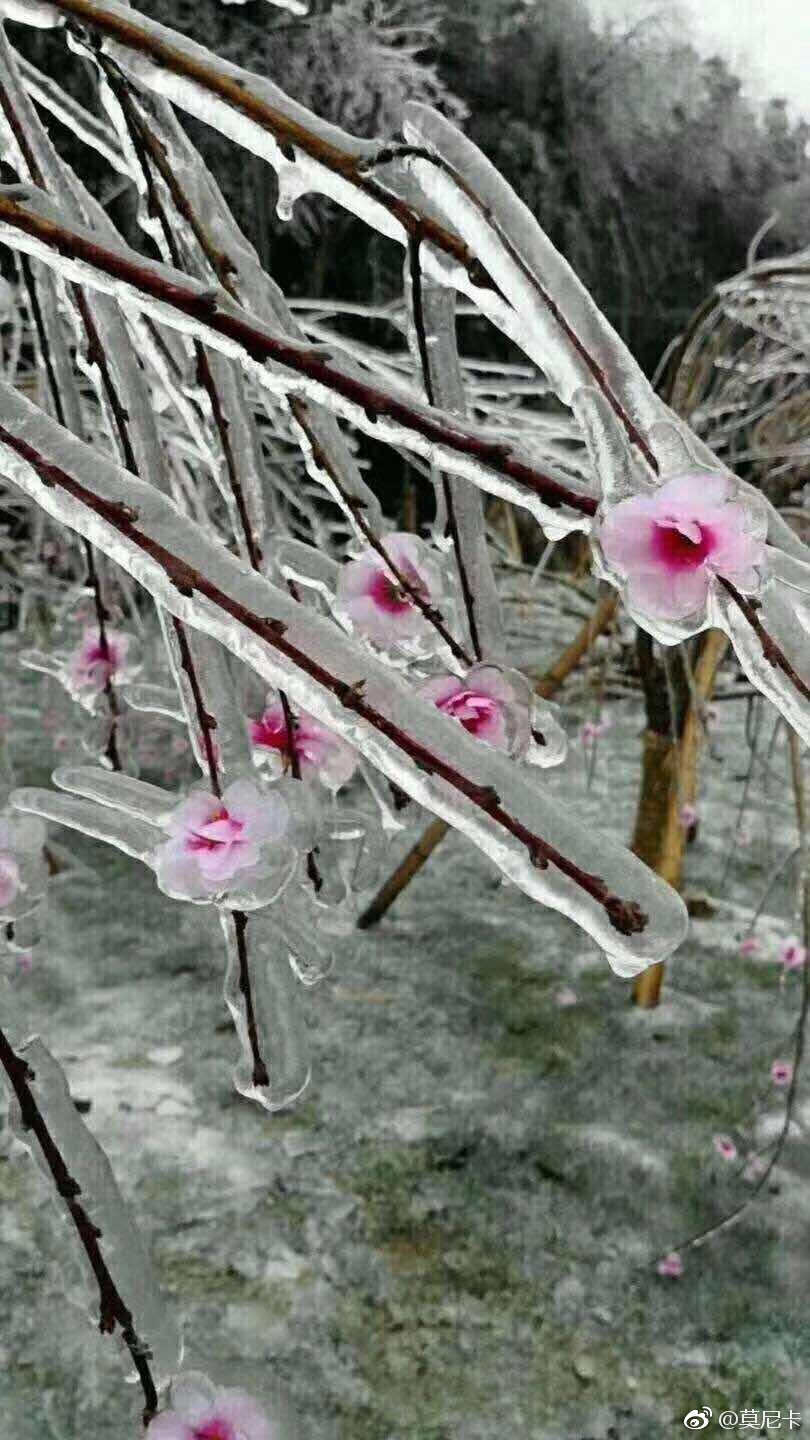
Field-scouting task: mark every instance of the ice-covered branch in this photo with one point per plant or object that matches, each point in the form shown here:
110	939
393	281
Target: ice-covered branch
536	843
27	222
47	1122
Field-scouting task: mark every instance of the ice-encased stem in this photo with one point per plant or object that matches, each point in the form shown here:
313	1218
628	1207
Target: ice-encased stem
264	1002
385	412
45	1119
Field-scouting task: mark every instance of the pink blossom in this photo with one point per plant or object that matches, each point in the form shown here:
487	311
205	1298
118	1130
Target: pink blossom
319	753
688	817
671	1266
750	945
213	839
205	1413
97	662
9	878
754	1169
670	544
593	730
792	954
485	703
781	1073
373	597
725	1148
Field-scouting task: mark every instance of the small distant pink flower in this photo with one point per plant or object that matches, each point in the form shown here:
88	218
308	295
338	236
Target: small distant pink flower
319	752
792	954
750	945
373	597
9	878
671	1267
566	997
593	730
96	662
781	1073
688	817
669	545
213	839
725	1148
486	705
209	1414
25	961
754	1169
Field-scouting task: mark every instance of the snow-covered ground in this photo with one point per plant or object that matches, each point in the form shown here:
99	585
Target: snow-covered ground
453	1236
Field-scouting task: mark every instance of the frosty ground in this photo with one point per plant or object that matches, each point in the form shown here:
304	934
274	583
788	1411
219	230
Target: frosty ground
453	1236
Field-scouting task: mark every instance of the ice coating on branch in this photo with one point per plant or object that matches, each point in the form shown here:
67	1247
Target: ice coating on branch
274	1068
23	872
553	318
490	705
665	548
213	838
121	1244
207	691
372	594
339	383
199	1410
427	755
432	320
320	754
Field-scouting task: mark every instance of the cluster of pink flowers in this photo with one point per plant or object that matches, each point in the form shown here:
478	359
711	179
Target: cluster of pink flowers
202	1412
213	839
668	546
319	753
373	597
486	703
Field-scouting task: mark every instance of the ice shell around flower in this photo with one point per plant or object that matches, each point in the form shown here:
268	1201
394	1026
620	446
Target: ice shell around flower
668	546
373	599
95	663
487	703
321	754
212	839
200	1411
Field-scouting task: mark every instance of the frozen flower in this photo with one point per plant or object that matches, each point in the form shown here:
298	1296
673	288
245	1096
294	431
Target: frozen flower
750	945
725	1148
688	817
593	730
781	1073
375	599
212	839
485	703
97	662
9	877
792	954
205	1413
670	544
671	1266
319	753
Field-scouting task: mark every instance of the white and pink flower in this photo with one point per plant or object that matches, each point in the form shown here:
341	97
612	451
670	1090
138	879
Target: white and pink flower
781	1073
320	754
670	1266
97	662
792	954
374	598
669	545
486	704
213	839
725	1148
202	1412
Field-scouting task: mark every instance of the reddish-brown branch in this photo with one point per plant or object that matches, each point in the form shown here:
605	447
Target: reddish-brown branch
771	650
258	345
112	1309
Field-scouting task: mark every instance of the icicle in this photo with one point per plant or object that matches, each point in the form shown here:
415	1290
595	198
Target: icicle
274	1069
